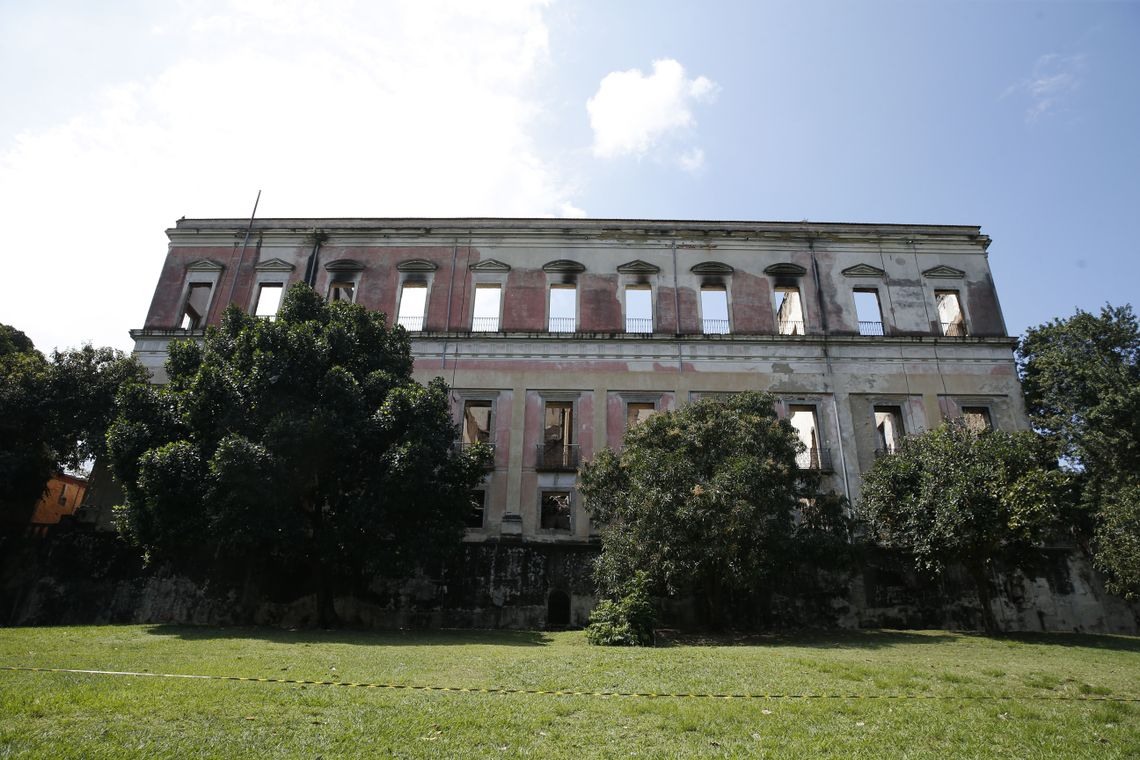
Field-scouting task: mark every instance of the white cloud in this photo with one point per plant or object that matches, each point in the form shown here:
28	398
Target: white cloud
692	160
632	114
390	109
1054	80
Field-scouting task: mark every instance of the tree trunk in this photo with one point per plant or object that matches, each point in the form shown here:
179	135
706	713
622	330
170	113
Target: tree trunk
982	582
326	611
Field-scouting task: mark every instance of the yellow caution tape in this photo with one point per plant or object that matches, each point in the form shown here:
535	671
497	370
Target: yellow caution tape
565	693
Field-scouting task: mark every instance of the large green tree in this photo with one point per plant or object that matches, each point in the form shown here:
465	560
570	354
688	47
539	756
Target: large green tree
701	501
300	440
1081	379
54	413
957	496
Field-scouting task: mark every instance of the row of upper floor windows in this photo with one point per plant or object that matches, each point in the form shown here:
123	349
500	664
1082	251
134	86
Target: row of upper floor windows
563	307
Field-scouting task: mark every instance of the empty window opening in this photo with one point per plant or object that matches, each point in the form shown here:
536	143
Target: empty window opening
638	309
197	301
637	412
413	304
714	310
342	290
63	494
888	428
558	450
869	312
950	313
485	318
558	609
477	501
555	511
476	422
789	313
977	418
804	421
563	309
268	299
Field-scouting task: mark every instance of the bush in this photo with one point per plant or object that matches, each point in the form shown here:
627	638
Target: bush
627	622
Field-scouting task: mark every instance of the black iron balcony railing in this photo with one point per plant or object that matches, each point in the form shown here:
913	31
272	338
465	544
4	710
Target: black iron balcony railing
954	329
557	457
814	459
411	324
870	328
562	325
790	327
638	325
484	324
714	326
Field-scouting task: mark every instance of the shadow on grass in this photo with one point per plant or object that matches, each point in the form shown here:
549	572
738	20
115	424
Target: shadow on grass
884	639
815	639
449	637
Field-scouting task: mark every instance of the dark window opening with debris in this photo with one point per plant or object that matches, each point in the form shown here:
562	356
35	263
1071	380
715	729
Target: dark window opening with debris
476	422
342	290
197	301
478	507
977	418
555	511
889	429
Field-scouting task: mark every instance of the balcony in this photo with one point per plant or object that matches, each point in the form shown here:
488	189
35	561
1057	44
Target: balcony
562	325
790	327
638	325
714	326
556	457
870	328
485	324
411	324
814	459
954	329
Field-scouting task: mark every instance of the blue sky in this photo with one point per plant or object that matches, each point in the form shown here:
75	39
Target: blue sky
120	117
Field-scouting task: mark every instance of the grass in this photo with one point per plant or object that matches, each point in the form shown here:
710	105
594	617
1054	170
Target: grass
992	697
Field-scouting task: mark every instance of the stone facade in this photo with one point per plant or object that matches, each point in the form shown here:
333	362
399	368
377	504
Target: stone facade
555	335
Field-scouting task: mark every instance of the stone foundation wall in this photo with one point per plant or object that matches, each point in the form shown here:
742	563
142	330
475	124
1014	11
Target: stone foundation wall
93	578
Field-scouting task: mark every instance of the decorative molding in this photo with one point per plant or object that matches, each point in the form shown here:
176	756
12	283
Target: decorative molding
416	265
564	265
490	265
637	266
944	272
711	267
274	265
785	270
204	265
863	270
344	265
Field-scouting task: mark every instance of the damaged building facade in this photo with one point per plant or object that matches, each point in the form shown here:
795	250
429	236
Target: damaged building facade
556	335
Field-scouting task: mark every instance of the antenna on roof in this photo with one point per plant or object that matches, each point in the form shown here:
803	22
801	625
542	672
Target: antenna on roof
244	243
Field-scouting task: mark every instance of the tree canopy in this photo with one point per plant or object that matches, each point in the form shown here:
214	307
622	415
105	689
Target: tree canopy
954	495
299	440
700	500
1081	379
54	413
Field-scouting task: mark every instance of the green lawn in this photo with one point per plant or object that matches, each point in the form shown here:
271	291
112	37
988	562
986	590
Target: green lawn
1027	696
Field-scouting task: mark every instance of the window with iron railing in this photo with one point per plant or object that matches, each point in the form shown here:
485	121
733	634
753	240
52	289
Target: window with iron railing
714	310
563	309
638	309
488	300
814	459
868	311
413	306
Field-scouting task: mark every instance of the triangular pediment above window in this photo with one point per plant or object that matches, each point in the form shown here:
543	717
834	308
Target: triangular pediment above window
863	270
205	265
274	265
344	265
417	265
637	266
944	272
711	267
564	265
785	270
490	265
